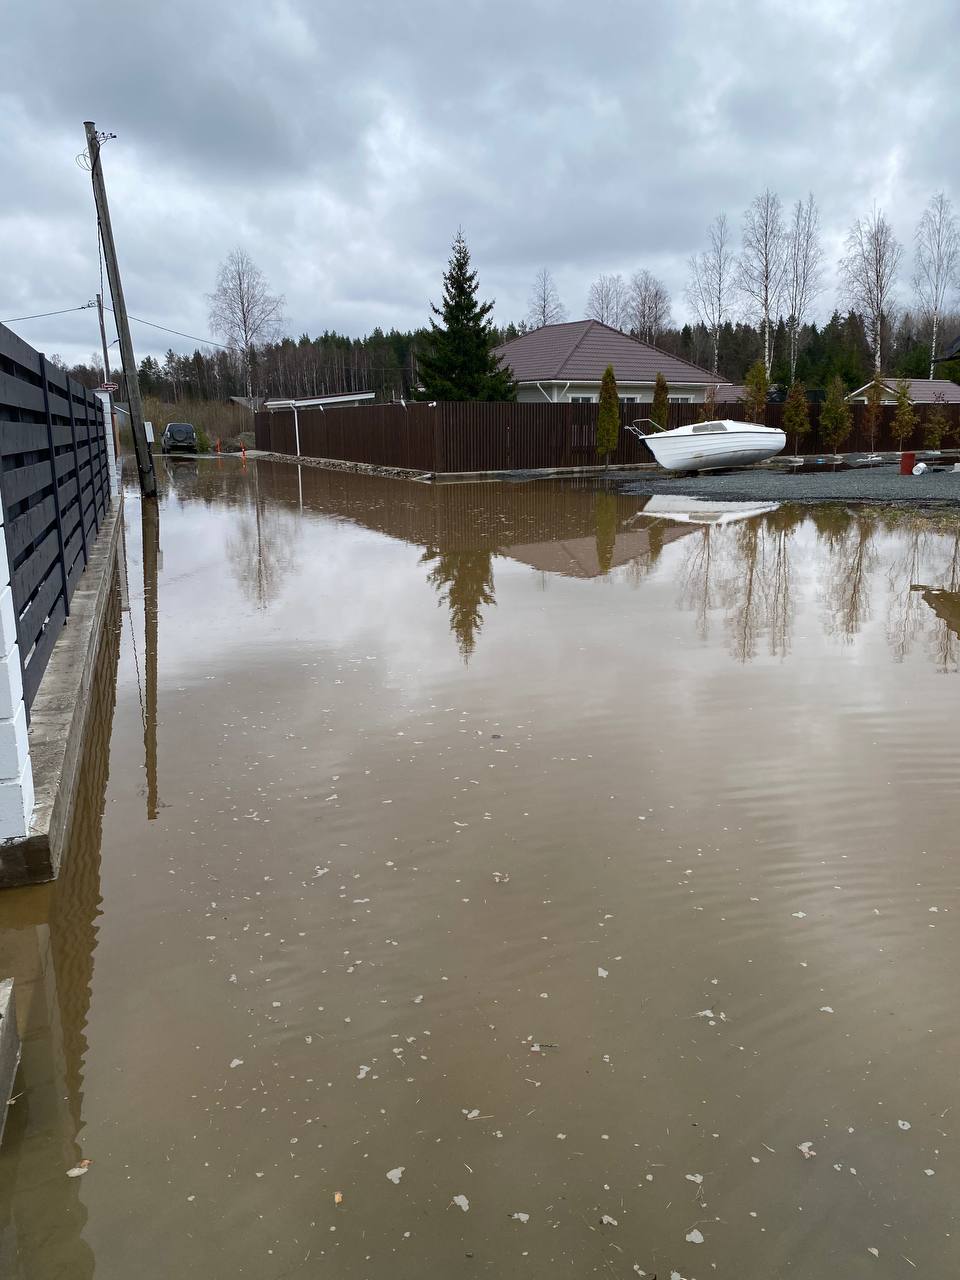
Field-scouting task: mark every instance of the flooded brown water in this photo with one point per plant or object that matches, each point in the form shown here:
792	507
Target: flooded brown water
571	888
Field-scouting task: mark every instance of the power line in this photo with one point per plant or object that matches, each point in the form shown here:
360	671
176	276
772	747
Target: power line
192	336
41	315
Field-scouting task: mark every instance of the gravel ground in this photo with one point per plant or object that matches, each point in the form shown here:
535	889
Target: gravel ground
866	484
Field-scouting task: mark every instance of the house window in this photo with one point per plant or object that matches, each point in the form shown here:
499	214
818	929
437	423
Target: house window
628	399
680	399
581	399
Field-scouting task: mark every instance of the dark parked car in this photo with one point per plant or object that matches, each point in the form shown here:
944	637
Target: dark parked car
179	437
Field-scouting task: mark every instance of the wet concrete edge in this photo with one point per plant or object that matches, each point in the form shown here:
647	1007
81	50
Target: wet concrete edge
59	718
9	1048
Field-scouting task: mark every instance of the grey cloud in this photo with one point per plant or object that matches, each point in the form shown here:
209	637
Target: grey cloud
343	144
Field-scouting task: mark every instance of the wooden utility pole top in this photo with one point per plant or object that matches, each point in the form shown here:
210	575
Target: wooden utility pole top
148	479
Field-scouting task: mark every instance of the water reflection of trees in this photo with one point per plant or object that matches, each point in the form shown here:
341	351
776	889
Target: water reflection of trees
464	582
924	582
847	538
261	550
745	571
606	518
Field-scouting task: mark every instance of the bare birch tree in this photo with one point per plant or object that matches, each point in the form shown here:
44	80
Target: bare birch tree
868	271
937	263
607	300
544	301
761	268
243	311
648	306
710	285
804	274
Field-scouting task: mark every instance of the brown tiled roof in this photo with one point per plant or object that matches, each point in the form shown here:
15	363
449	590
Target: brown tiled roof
926	390
582	349
922	390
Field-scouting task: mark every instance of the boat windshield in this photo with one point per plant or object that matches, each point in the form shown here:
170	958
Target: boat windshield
704	427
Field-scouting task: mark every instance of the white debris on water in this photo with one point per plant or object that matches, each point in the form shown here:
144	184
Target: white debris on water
363	1073
602	973
875	1252
461	1202
520	1217
825	1008
799	915
807	1149
237	1062
694	1177
695	1236
471	1115
607	1221
903	1124
394	1175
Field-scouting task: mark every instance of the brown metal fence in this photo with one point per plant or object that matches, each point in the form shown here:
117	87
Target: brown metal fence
503	436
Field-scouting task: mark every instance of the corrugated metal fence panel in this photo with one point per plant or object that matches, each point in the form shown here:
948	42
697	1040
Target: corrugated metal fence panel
502	436
55	490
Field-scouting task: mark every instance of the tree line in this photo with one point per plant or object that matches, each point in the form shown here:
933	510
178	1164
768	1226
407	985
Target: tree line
752	301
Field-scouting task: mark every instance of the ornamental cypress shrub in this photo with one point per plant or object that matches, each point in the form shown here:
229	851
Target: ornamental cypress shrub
608	417
661	402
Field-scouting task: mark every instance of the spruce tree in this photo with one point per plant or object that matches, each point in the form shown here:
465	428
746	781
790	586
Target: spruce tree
661	402
608	416
708	410
757	386
938	423
905	418
836	418
796	416
460	364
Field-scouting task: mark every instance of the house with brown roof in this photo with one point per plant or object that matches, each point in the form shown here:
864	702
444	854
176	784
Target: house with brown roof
565	362
922	391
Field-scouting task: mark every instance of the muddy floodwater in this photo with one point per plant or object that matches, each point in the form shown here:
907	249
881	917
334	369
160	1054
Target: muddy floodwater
500	880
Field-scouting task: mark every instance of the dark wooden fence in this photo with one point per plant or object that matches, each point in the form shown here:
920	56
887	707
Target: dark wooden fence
55	490
500	436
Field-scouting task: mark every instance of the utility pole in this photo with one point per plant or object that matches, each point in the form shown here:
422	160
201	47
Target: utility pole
148	480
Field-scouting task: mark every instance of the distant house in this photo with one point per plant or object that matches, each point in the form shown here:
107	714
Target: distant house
922	391
565	362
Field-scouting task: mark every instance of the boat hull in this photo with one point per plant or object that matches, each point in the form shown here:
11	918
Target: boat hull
712	452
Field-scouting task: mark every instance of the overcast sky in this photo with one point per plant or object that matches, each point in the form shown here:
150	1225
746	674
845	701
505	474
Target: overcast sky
342	144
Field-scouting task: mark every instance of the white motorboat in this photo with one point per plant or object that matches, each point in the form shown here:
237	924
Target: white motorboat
683	510
708	446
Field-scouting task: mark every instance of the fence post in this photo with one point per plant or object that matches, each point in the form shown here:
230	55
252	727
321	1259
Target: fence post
113	465
76	468
56	485
16	769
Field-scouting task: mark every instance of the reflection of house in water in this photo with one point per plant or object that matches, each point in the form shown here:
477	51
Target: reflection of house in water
580	557
572	529
48	935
